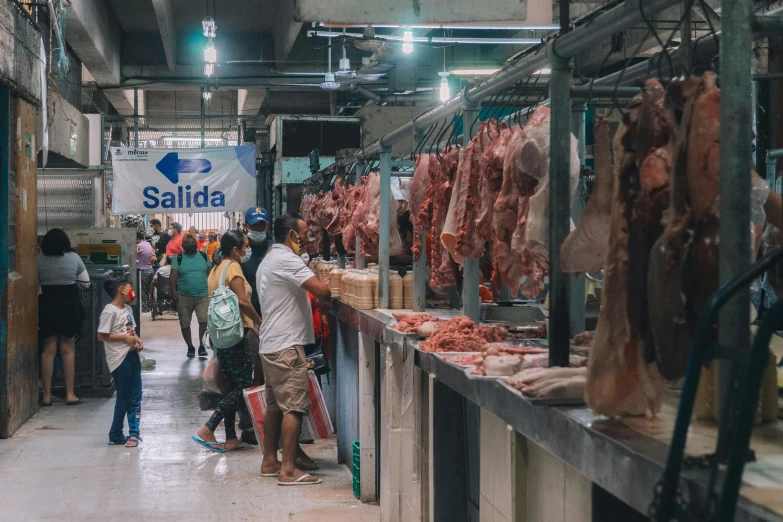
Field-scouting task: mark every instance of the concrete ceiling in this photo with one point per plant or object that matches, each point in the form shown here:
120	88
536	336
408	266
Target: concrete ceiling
157	45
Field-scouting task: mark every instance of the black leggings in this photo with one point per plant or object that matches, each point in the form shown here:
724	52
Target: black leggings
238	373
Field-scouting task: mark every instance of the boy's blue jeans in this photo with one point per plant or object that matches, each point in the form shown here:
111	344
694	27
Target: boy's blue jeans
127	381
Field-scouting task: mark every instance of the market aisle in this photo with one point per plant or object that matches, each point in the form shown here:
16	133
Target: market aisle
60	467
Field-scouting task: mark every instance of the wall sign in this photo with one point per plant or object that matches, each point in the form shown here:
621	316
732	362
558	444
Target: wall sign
191	180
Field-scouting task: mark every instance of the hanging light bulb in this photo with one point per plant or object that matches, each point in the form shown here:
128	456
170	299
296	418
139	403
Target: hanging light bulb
445	91
209	27
407	42
209	69
210	53
207	96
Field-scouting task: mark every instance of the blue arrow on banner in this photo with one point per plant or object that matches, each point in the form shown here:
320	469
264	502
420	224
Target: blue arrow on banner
171	166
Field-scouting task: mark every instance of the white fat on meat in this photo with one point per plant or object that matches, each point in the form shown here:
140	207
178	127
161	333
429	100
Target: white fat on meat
585	248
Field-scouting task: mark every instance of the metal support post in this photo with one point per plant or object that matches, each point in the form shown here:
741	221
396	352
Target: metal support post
202	118
135	117
420	265
559	209
735	164
383	229
471	299
577	303
358	257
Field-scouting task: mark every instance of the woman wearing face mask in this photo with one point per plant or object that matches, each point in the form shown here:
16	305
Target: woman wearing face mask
234	361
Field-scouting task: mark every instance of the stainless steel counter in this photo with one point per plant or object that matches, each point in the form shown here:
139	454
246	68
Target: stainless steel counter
610	453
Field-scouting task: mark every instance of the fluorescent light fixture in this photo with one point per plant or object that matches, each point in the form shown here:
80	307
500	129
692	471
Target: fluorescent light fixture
445	91
500	26
473	72
544	71
207	96
209	69
190	139
210	53
433	39
407	46
209	27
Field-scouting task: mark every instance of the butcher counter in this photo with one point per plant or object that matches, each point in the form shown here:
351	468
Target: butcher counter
491	454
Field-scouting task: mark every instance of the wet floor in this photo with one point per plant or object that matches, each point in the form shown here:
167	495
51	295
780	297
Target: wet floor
59	465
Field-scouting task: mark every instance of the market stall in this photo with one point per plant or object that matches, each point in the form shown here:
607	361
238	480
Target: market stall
500	432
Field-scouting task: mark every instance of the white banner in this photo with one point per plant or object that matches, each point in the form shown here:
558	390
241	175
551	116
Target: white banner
218	179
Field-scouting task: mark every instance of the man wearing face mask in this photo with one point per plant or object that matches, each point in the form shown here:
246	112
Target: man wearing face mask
188	282
255	227
284	281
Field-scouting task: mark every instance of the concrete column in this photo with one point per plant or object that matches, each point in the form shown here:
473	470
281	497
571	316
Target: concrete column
367	408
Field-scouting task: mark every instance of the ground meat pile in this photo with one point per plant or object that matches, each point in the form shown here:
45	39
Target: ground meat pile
409	323
461	334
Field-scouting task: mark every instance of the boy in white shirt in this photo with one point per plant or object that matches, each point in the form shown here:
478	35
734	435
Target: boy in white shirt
117	332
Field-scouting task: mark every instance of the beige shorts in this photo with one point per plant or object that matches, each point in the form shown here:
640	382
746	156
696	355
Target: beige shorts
286	381
187	304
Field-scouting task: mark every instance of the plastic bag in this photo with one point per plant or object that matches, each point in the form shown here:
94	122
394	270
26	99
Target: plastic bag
759	191
213	385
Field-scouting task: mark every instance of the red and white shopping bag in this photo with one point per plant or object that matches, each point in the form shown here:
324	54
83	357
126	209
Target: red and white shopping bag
315	425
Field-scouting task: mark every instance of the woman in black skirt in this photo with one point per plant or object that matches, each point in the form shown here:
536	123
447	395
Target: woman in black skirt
60	310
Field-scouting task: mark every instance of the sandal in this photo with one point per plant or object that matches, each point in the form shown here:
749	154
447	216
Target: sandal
74	403
132	442
209	445
301	481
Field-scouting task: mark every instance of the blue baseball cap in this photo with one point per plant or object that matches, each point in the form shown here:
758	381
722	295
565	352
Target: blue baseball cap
255	214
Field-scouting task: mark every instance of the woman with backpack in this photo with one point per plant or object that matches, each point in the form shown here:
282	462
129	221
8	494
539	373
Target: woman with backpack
234	359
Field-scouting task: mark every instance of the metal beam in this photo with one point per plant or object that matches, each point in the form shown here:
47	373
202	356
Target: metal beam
736	52
94	34
383	229
568	45
471	299
559	208
168	30
358	257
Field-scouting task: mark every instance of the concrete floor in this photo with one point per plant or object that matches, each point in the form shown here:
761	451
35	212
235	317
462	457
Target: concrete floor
59	466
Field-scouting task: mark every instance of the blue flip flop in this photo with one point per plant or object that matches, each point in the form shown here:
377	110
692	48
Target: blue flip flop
209	445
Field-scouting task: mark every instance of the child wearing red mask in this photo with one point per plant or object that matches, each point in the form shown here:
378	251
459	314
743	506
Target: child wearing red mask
117	332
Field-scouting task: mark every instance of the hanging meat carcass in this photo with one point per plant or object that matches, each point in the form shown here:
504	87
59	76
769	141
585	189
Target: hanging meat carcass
491	178
619	380
584	250
667	313
353	196
511	201
369	219
419	218
332	206
440	194
646	193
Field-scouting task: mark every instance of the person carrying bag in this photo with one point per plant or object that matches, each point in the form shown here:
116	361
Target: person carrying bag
230	316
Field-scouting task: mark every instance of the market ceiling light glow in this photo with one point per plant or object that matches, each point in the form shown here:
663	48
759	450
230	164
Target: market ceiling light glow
210	53
190	139
543	71
407	38
445	91
209	69
209	27
207	96
432	39
473	72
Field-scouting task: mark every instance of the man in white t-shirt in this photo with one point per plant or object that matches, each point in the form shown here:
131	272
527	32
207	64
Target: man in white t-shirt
284	281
